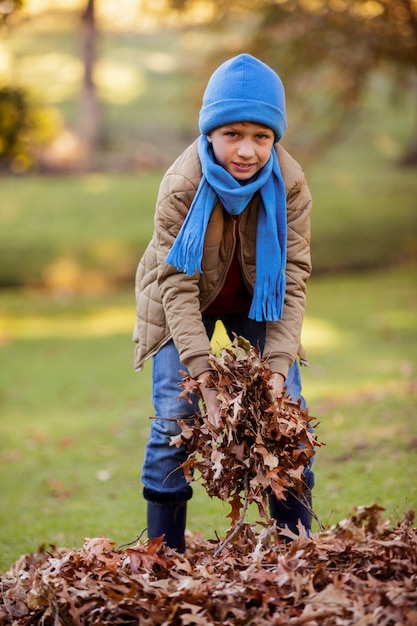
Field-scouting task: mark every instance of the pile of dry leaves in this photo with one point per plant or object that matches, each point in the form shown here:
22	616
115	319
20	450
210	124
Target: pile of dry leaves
360	572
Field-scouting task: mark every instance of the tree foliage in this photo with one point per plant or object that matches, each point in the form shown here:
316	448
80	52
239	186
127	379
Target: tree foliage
24	128
357	31
331	49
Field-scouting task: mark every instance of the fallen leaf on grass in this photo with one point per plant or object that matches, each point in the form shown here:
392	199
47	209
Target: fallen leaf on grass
57	489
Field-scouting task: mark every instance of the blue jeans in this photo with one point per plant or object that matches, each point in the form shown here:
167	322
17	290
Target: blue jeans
162	479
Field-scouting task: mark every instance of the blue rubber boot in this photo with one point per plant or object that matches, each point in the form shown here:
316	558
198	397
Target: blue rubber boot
168	520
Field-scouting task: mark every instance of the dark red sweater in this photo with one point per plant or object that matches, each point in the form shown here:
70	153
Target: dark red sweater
234	297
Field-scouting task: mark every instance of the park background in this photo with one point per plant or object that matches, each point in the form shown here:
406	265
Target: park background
101	97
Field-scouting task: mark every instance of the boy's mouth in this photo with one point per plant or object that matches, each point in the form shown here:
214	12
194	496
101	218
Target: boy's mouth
244	167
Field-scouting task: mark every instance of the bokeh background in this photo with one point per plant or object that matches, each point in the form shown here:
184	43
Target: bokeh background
96	100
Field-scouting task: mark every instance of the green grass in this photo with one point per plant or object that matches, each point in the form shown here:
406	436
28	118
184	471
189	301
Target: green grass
75	417
361	385
364	211
98	223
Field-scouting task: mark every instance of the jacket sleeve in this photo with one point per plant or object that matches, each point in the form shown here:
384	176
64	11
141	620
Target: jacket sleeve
283	337
179	291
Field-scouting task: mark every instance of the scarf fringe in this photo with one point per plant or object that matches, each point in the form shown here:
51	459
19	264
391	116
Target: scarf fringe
268	299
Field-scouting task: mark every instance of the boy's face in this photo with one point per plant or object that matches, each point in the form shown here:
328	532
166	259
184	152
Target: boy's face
242	148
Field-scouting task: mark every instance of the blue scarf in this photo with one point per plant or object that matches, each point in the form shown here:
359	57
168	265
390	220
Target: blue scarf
271	236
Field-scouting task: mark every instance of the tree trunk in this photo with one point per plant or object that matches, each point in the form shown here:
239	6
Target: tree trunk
410	157
89	124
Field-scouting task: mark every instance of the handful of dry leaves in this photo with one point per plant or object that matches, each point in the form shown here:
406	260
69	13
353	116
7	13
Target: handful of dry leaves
264	444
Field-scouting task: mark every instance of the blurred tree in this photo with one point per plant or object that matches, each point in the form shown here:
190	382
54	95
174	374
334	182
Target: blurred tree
8	9
25	129
15	124
90	122
326	51
22	121
335	47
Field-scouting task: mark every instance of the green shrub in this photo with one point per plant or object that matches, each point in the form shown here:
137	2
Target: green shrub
24	129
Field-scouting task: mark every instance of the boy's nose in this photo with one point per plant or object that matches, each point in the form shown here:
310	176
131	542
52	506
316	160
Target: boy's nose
245	149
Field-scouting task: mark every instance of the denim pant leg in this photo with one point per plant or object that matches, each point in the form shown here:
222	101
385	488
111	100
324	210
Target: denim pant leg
162	480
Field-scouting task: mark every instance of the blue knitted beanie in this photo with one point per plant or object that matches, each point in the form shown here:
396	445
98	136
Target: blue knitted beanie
243	89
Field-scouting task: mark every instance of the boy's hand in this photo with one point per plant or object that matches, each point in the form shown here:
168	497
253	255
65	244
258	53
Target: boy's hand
276	384
211	402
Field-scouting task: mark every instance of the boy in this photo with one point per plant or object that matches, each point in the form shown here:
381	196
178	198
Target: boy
231	243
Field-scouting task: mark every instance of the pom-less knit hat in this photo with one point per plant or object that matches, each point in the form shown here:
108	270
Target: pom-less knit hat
243	89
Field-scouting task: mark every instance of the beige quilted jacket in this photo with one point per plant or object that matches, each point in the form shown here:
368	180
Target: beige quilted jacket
169	303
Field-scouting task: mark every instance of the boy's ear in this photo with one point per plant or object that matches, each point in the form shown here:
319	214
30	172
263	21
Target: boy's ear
209	137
